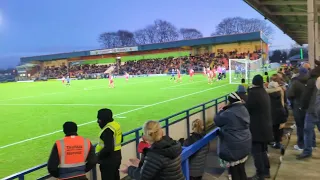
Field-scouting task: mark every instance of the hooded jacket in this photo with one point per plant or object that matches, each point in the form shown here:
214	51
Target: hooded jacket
161	162
234	135
296	89
308	97
277	99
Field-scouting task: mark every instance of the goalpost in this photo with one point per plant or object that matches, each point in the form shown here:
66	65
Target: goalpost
244	69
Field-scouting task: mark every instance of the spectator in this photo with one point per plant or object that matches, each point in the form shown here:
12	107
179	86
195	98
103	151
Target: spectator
162	160
266	78
143	145
278	112
197	161
241	91
317	105
298	82
259	108
308	99
244	84
235	137
71	166
109	146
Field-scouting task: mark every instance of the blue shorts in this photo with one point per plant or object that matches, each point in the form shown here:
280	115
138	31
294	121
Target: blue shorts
172	75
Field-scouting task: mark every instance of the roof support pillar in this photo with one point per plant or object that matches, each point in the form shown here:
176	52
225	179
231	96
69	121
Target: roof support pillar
316	30
312	13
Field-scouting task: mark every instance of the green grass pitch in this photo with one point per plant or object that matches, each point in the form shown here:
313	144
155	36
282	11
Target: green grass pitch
32	114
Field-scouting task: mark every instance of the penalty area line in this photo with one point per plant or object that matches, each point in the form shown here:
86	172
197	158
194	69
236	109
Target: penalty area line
116	115
114	105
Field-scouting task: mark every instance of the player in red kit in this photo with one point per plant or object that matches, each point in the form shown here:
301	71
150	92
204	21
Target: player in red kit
191	73
63	79
179	76
210	76
127	77
111	83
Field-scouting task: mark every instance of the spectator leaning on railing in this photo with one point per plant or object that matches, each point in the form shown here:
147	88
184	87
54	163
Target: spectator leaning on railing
234	136
198	160
162	161
71	157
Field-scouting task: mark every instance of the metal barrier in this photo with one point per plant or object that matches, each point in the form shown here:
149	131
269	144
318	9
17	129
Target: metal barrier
187	152
190	150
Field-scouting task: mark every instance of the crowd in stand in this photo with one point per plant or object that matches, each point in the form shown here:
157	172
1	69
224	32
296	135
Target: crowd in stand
150	66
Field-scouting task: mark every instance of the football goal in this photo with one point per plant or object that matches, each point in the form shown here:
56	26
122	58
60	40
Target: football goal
244	69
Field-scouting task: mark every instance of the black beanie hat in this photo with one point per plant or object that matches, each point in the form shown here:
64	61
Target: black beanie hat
105	115
70	127
257	80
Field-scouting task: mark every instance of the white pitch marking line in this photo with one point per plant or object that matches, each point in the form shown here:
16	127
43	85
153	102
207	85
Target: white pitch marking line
184	84
126	112
54	93
72	105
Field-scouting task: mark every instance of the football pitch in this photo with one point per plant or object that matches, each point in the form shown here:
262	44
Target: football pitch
32	114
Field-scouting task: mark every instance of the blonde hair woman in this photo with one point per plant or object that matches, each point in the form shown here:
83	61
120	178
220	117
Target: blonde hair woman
198	160
162	160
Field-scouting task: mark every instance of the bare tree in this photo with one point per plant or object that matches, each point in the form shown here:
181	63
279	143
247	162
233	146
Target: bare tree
121	38
126	38
165	31
146	35
190	33
151	33
238	25
109	40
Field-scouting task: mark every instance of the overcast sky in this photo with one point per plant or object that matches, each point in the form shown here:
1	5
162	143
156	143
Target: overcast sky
36	27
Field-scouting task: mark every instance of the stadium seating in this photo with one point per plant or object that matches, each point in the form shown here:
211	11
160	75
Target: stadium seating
148	65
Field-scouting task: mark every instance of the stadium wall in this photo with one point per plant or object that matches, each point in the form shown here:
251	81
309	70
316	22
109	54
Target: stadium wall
226	39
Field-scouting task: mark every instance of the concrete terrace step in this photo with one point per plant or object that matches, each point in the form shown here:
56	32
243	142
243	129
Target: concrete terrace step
307	169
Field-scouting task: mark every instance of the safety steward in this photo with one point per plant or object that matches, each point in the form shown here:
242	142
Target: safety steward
109	147
72	156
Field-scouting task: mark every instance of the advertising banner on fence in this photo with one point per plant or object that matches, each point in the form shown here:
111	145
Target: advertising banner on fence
115	50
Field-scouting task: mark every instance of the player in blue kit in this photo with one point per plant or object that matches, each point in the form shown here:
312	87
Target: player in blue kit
68	81
173	76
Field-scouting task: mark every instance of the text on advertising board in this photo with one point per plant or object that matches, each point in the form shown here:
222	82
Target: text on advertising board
115	50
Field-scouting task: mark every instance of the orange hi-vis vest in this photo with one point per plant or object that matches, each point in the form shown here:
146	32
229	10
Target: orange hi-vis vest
73	152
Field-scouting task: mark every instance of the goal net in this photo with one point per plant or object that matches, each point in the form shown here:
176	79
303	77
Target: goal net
244	69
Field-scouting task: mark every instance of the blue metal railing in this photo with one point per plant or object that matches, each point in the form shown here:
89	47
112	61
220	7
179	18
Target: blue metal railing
187	152
190	150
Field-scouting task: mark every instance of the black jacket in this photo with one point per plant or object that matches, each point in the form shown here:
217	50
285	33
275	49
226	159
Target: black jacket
278	112
308	97
54	161
259	108
198	160
234	136
107	155
296	89
161	162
